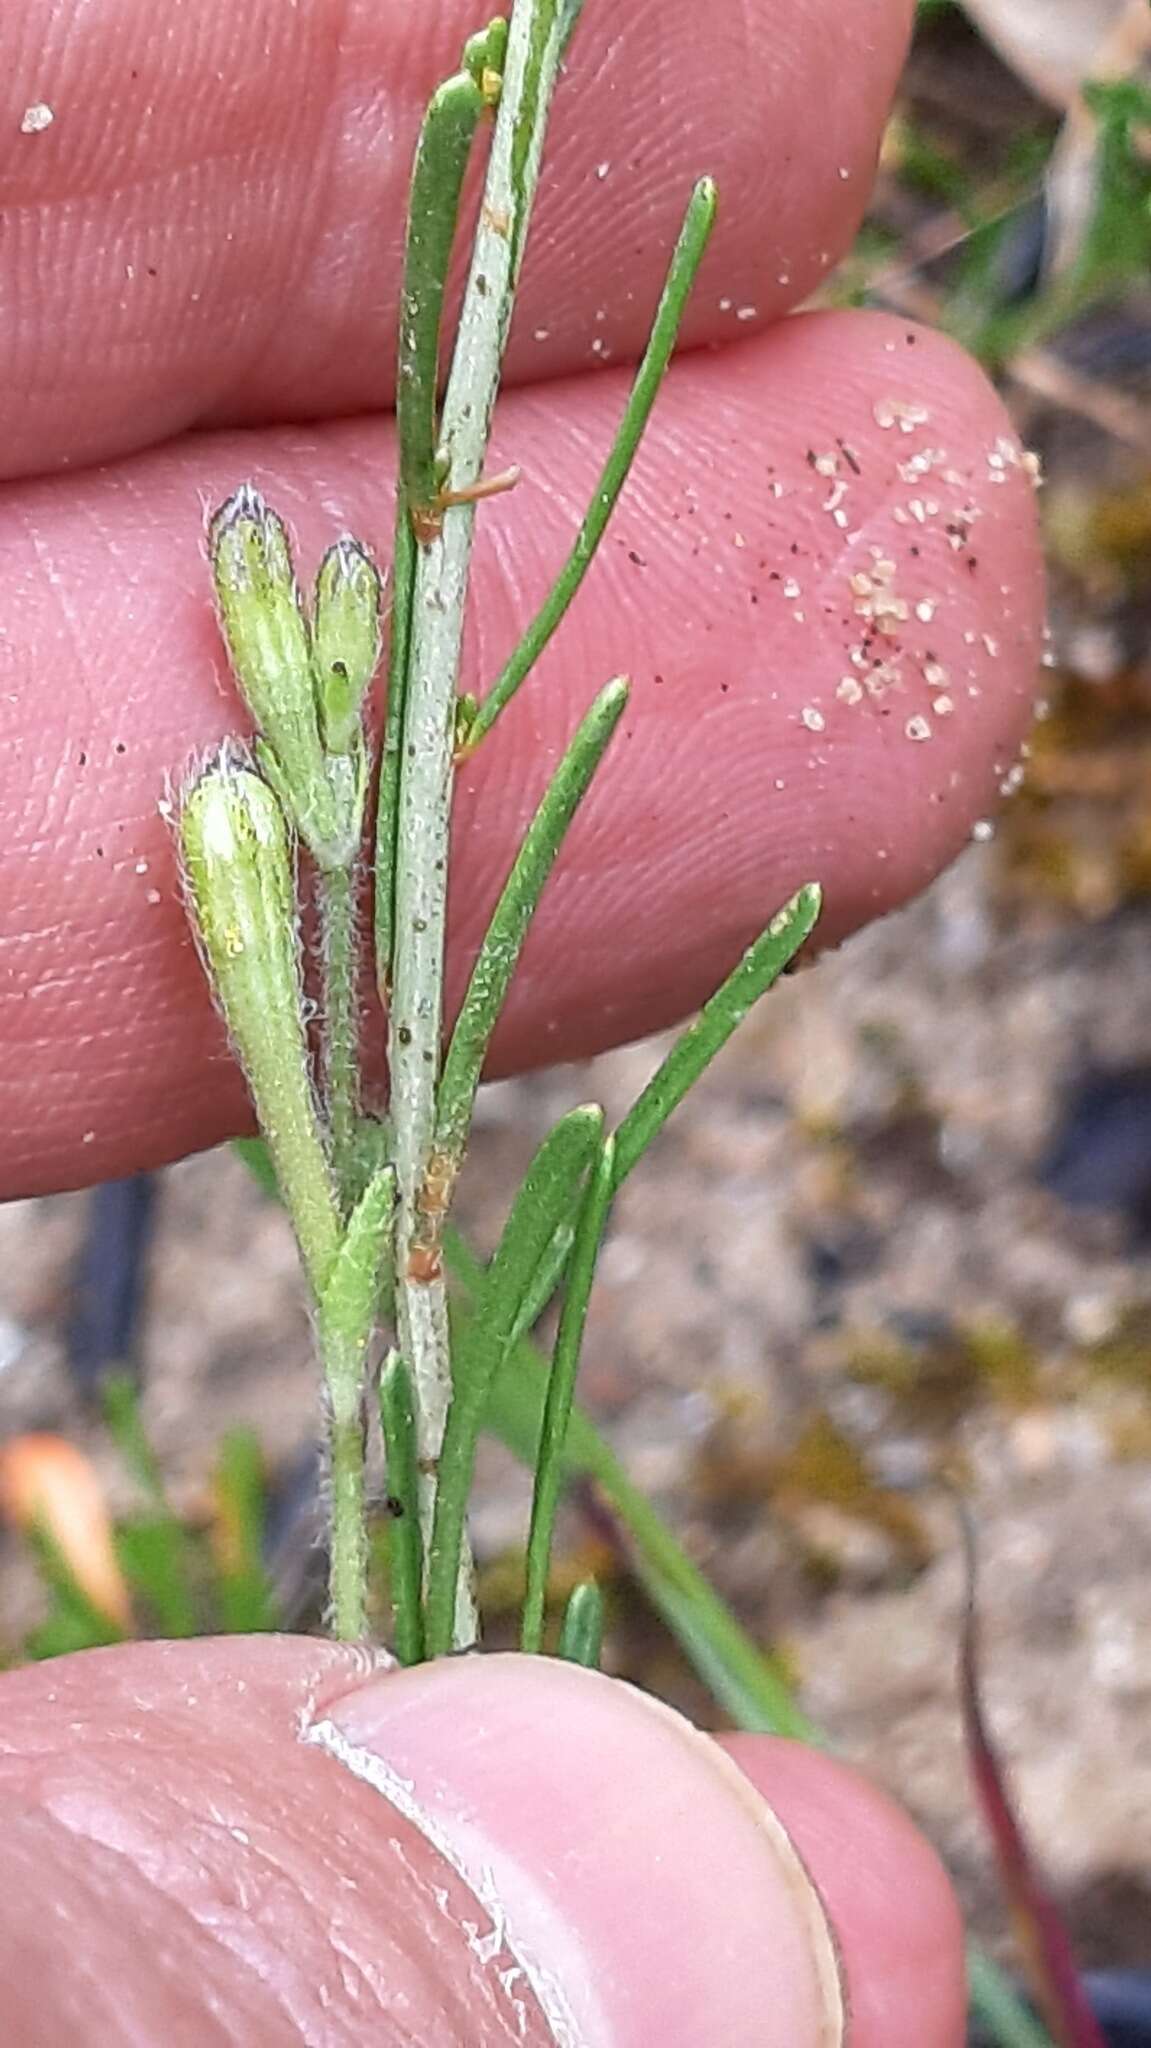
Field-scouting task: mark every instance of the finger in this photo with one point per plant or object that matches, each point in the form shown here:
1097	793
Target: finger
211	226
747	614
895	1915
261	1839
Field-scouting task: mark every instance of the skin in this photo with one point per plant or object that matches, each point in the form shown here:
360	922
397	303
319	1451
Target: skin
213	225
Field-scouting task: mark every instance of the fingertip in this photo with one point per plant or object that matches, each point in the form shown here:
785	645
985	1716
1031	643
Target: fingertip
645	1892
896	1917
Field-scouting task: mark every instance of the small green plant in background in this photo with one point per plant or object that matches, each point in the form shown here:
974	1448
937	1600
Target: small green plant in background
149	1572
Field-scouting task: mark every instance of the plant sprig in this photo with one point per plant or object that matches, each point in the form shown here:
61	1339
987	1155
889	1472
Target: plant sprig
370	1199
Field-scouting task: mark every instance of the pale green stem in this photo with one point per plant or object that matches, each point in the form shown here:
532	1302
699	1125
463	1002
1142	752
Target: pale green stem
424	797
349	1557
340	1066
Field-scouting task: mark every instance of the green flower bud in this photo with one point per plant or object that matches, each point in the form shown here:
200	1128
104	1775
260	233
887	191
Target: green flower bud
264	622
240	875
345	639
266	629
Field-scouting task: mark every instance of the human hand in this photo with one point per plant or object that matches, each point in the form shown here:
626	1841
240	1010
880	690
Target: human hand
263	1842
202	271
204	276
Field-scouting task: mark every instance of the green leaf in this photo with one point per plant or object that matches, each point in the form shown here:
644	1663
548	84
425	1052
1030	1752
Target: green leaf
685	262
549	1190
692	1053
258	1160
155	1557
391	756
155	1549
581	1632
244	1598
405	1550
74	1621
120	1401
570	11
503	942
549	1463
442	153
347	1305
694	1050
743	1679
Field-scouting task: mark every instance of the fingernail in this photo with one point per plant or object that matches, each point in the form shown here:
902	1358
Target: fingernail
643	1886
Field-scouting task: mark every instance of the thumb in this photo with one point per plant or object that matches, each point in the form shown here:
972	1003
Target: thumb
279	1840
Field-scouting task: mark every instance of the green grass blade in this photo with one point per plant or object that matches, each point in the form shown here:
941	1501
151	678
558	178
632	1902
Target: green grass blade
499	954
155	1557
406	1550
685	262
245	1604
549	1464
581	1633
120	1401
74	1620
549	1190
997	2004
155	1549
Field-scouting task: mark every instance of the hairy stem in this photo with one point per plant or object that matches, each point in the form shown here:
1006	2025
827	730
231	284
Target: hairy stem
349	1543
340	1067
424	796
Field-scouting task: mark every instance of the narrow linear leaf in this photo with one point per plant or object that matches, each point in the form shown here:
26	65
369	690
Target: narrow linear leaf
1039	1924
406	1550
442	153
503	942
75	1620
549	1190
693	238
742	1678
581	1632
997	2005
243	1591
258	1160
156	1559
120	1401
691	1054
155	1547
570	12
347	1311
549	1468
391	753
694	1050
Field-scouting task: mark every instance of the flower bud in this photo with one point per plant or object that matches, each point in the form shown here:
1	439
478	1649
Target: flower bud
266	630
238	863
239	866
345	639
